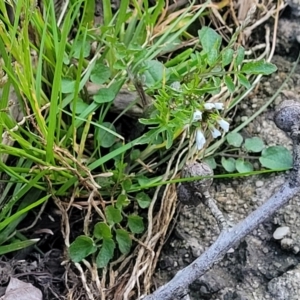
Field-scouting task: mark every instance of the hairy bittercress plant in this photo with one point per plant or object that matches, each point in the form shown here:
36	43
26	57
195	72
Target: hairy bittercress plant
70	148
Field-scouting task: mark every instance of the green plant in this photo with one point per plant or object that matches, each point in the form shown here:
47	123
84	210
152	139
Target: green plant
239	153
68	144
51	89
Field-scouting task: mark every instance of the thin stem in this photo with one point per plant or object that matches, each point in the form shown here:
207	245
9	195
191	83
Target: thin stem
177	287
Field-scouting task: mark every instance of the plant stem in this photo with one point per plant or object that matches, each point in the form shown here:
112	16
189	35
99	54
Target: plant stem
177	287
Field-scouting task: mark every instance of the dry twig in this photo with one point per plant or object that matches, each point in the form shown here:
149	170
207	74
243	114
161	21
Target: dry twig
287	118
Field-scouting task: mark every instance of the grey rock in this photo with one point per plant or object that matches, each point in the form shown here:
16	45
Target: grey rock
281	232
286	114
286	243
295	7
286	286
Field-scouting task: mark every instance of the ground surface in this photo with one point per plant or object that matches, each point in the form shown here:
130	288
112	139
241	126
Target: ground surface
261	267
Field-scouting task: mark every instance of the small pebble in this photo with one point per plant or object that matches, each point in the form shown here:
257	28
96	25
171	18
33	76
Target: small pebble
222	199
277	265
265	250
281	232
286	243
259	183
296	249
203	289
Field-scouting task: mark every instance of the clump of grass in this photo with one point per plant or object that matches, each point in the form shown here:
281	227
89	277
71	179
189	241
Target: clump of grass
67	145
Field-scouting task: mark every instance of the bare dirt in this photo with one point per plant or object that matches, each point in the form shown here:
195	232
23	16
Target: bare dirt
260	267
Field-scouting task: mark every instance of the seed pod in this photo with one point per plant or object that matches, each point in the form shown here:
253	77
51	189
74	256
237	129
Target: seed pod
287	115
194	169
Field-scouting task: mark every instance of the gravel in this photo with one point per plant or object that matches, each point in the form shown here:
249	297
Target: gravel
260	264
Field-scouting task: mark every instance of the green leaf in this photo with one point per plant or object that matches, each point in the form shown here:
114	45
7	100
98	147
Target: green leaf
122	201
227	57
81	248
105	138
135	154
229	83
210	161
171	46
209	39
100	73
179	58
116	86
80	106
143	200
102	231
234	139
254	144
259	67
217	81
212	56
123	240
154	72
243	166
8	220
228	164
119	65
105	95
79	46
67	85
106	253
14	246
244	81
143	180
239	56
135	224
276	157
169	138
113	215
126	184
115	146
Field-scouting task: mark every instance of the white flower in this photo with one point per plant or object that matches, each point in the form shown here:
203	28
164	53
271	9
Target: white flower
219	106
176	86
209	106
197	116
215	132
223	124
200	139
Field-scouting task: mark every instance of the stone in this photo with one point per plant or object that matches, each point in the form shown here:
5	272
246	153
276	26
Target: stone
287	243
259	183
287	115
286	286
281	232
295	7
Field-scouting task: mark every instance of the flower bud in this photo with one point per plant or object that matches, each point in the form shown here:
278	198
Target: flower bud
200	139
197	116
223	124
